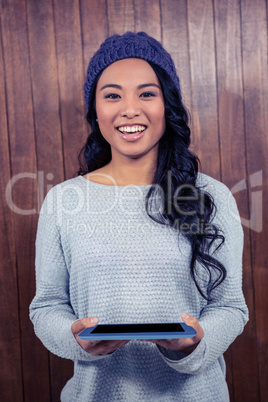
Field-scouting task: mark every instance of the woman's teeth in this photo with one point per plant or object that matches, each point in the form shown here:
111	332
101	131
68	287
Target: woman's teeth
132	129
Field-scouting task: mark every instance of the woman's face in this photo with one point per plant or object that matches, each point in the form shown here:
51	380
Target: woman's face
130	108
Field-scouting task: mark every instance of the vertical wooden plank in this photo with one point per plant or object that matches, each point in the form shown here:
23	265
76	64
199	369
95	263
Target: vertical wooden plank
203	77
120	16
175	41
94	27
48	132
24	190
71	79
234	169
254	45
94	32
10	368
148	18
45	89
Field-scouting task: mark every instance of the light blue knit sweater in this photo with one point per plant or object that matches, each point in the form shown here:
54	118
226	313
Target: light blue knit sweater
99	254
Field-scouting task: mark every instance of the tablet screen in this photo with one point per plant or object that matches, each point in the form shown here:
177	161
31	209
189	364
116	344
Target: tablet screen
131	328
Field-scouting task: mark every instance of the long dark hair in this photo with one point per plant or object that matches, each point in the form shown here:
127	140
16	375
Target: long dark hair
184	205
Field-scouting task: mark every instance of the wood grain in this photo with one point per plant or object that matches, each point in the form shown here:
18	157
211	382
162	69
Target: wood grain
10	347
23	167
204	91
44	78
234	170
94	32
175	41
94	28
120	16
70	80
255	74
148	18
48	131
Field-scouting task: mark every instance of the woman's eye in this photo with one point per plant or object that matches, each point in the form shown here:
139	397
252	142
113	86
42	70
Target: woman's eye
111	96
147	94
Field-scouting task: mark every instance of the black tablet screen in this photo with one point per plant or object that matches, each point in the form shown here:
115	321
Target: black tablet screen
132	328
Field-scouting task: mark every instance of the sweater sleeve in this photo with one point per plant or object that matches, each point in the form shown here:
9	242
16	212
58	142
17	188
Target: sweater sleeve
223	318
51	311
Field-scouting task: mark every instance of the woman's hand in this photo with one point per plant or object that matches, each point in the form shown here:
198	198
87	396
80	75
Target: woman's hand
94	347
185	345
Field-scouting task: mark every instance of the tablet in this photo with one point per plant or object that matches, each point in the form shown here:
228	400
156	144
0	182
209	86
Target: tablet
137	331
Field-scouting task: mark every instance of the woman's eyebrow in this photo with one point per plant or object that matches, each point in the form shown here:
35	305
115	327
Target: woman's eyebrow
151	84
111	85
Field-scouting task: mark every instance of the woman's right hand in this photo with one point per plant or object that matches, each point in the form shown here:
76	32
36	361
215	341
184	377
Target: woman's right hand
96	348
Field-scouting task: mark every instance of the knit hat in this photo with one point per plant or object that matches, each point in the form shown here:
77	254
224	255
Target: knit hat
130	45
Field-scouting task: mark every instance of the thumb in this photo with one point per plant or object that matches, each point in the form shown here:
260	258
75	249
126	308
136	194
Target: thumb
185	316
189	320
80	325
193	322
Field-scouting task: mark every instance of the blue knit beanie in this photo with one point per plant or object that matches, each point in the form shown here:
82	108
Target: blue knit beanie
130	45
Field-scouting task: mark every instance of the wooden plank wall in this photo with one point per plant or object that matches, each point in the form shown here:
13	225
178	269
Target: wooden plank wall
220	51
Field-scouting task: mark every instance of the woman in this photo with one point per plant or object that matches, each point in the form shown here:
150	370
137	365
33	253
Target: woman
139	236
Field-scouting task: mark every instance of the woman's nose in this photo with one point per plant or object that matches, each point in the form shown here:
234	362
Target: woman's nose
130	108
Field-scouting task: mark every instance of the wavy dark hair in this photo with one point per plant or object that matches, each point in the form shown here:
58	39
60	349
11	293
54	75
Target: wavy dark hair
183	203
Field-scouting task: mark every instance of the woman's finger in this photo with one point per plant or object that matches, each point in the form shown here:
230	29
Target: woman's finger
194	323
80	325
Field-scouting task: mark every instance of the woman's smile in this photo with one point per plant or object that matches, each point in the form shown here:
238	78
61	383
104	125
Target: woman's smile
131	133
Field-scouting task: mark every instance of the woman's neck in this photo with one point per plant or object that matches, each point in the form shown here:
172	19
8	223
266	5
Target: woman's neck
132	172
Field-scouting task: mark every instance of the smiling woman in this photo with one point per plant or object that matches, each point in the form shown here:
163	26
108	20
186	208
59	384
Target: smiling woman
177	250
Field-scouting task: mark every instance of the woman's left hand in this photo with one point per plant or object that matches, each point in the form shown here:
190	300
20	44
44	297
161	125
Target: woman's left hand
185	345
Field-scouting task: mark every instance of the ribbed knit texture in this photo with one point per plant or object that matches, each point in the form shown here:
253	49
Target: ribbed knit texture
130	45
99	254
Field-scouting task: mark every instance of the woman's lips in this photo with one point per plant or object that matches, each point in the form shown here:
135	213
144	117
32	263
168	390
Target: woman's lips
131	137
